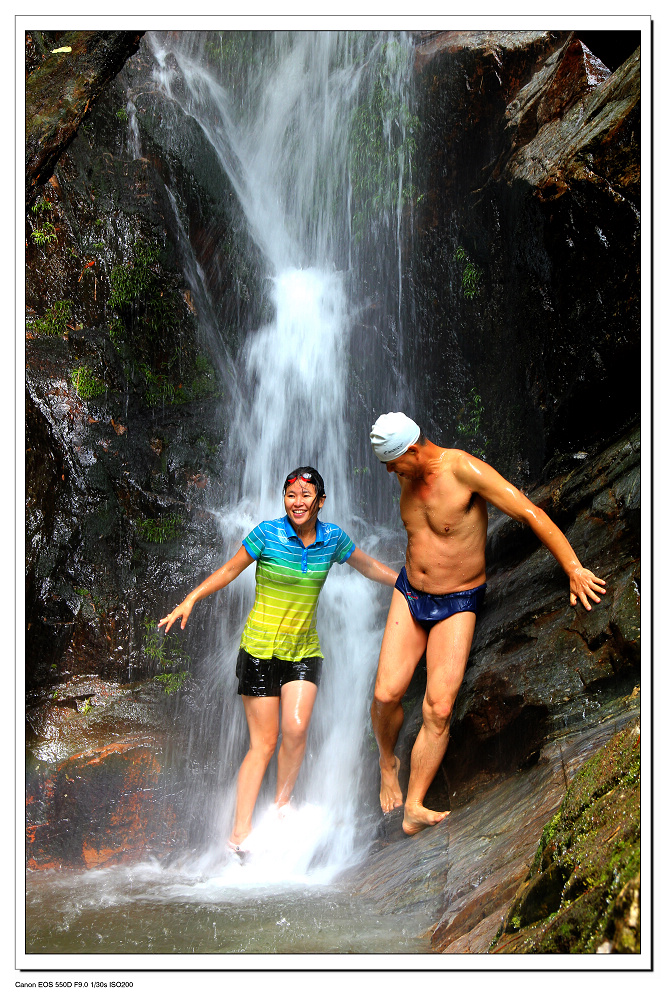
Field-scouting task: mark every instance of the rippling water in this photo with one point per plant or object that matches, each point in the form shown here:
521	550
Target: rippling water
144	910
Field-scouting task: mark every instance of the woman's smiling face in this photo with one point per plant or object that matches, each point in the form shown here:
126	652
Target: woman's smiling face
301	504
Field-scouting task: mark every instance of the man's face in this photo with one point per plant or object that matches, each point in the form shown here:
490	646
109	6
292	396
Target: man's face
404	466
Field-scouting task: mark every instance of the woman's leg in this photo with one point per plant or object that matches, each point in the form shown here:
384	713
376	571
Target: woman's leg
297	702
263	721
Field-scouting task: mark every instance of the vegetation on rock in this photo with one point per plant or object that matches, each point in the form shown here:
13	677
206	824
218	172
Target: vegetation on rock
382	141
582	891
86	384
54	322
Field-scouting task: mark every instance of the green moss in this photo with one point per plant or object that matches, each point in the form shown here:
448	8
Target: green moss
234	54
172	682
471	275
151	327
379	162
54	321
140	297
86	384
470	425
619	765
167	654
587	856
47	234
191	380
40	206
159	530
546	837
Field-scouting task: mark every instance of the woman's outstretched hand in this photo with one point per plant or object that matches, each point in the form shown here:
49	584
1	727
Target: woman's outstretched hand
182	611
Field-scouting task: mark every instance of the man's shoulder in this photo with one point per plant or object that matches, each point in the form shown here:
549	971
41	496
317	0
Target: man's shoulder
449	461
463	468
457	460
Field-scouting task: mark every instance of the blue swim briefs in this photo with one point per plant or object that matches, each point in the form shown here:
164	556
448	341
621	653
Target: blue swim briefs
428	609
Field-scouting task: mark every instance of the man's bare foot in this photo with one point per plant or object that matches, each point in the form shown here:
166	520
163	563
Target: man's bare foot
418	818
390	796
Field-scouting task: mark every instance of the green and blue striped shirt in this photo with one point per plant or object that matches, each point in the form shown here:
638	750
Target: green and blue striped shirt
289	578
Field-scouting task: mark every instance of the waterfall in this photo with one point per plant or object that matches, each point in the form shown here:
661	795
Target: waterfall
312	130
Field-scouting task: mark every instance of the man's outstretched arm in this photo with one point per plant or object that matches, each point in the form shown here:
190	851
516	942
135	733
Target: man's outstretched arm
487	482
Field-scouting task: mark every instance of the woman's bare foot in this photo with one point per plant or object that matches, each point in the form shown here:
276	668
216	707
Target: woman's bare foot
390	796
239	834
418	818
239	851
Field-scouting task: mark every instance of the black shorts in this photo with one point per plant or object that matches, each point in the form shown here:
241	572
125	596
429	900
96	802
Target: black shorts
264	678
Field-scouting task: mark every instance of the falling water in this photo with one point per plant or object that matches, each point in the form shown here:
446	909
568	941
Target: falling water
287	142
313	131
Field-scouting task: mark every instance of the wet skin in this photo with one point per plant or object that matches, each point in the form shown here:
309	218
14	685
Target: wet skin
443	505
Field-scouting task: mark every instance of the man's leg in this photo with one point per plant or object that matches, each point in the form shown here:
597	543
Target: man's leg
403	646
263	721
297	700
449	644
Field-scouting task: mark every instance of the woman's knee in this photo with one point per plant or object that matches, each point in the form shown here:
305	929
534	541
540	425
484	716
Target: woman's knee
264	745
295	731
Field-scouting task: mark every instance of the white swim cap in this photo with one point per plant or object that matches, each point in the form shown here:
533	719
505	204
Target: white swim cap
392	434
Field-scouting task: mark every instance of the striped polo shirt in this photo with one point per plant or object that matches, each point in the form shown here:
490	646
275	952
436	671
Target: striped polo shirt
289	577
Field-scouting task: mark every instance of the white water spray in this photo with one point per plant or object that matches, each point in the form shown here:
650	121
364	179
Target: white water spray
285	147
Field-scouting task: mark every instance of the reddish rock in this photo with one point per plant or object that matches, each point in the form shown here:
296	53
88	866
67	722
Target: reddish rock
566	121
101	806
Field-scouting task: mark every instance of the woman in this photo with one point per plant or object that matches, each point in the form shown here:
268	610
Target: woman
279	662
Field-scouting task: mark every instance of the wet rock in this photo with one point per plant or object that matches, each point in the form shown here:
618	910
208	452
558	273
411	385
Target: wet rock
470	871
567	123
582	893
100	788
63	86
101	806
116	361
526	249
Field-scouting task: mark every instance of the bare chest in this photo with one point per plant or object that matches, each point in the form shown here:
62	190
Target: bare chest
444	509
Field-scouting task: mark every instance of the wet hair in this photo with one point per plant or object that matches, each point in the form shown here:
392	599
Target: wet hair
311	475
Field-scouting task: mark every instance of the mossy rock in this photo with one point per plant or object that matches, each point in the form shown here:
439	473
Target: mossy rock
582	893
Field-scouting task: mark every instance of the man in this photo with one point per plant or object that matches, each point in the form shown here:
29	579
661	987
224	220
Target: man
438	593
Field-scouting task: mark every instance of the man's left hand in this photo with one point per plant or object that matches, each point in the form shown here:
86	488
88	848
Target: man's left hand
584	584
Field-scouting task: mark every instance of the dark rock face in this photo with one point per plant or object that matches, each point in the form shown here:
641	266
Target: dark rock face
526	260
74	78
